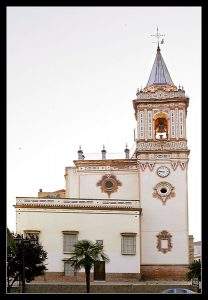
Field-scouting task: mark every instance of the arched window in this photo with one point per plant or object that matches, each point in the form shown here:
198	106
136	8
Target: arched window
161	126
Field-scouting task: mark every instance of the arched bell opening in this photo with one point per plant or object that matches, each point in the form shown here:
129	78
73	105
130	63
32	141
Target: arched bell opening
161	127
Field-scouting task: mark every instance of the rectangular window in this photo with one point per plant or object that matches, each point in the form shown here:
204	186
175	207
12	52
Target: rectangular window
128	244
30	234
68	269
69	239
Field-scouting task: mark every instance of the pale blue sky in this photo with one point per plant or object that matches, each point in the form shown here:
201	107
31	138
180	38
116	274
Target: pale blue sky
72	73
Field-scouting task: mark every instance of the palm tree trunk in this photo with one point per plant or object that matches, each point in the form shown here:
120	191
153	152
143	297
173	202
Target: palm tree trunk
87	274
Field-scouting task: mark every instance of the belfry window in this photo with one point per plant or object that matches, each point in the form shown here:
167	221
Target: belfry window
161	128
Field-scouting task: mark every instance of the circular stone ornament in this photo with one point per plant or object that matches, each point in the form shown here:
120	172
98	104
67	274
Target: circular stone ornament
109	184
163	191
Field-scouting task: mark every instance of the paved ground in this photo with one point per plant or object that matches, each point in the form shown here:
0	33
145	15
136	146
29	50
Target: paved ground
115	283
100	287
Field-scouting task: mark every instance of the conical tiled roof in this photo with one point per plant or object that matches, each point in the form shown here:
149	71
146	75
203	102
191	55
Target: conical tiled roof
159	73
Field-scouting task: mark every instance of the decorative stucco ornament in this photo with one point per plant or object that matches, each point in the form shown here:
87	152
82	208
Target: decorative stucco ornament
109	184
164	243
163	191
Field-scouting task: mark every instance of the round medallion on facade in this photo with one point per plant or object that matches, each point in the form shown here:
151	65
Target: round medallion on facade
164	191
109	184
163	171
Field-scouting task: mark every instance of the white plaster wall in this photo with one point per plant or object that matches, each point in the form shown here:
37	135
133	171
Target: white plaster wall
92	225
72	182
156	217
84	185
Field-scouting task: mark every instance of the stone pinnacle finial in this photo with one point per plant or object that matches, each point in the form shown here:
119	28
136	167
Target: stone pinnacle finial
103	151
80	153
126	152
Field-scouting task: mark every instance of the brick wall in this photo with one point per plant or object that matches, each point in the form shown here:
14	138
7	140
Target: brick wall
60	277
154	272
80	277
123	277
163	272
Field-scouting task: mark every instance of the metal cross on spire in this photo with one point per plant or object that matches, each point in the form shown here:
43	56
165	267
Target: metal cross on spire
158	36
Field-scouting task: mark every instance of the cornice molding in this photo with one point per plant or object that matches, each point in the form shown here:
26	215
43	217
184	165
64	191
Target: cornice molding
127	208
108	163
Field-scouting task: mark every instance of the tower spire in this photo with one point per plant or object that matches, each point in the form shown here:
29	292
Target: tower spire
159	73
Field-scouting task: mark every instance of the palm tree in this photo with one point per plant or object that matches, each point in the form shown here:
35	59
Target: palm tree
85	254
194	270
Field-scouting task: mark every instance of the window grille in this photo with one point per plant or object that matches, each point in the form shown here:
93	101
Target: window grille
68	268
128	244
32	234
69	241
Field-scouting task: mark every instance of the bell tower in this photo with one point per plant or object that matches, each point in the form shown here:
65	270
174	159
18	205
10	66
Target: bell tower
162	157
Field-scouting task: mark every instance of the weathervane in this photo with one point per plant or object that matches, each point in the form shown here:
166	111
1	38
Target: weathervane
158	36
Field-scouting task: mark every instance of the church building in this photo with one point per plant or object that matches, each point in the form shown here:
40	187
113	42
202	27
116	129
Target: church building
137	207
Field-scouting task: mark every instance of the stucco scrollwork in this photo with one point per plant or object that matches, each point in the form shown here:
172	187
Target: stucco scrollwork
109	184
164	243
163	191
160	94
164	145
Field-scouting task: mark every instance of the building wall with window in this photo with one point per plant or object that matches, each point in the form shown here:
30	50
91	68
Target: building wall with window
170	214
109	226
137	205
83	183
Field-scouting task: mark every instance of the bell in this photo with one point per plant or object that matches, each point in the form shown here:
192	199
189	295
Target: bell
161	128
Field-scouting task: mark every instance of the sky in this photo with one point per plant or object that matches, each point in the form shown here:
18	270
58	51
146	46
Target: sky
72	73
